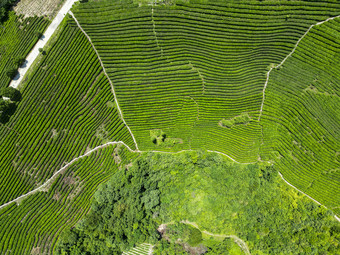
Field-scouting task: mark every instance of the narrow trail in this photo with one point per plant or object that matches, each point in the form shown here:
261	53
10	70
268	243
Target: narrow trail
154	30
336	217
199	74
284	60
242	244
49	32
40	188
107	76
41	43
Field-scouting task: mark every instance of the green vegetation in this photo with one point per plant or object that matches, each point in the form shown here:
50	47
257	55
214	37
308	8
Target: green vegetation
237	120
249	201
301	116
17	38
5	5
185	233
159	138
182	70
34	226
12	93
63	106
7	108
185	66
62	109
142	249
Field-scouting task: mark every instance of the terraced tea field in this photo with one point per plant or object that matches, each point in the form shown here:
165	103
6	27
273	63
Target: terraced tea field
34	226
256	81
183	68
143	249
17	37
67	109
301	115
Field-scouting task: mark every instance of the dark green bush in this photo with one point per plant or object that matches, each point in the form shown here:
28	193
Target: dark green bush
12	93
11	73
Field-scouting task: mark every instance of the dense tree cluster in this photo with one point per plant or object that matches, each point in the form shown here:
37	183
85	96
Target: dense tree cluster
5	5
249	201
7	108
11	93
122	214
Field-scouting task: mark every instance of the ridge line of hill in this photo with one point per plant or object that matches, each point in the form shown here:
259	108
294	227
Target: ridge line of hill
284	60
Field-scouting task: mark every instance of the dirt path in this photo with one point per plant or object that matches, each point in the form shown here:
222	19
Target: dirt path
112	88
284	60
40	188
41	43
236	239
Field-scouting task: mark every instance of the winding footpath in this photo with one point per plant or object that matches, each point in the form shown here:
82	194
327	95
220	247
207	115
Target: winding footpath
40	188
284	60
41	43
242	244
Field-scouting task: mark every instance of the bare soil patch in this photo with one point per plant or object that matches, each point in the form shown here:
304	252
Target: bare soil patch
31	8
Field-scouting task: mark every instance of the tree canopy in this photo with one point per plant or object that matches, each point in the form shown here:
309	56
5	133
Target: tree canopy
249	201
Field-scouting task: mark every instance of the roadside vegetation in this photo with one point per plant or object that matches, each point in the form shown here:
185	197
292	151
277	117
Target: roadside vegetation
18	35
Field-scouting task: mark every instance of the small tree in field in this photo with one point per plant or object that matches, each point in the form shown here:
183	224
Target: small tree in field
11	73
12	93
38	34
18	61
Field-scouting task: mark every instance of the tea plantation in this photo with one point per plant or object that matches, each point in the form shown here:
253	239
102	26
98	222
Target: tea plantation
168	84
67	109
301	118
17	36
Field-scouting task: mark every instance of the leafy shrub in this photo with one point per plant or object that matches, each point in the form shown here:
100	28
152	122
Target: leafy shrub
160	138
237	120
38	34
11	73
12	93
6	110
5	5
18	61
